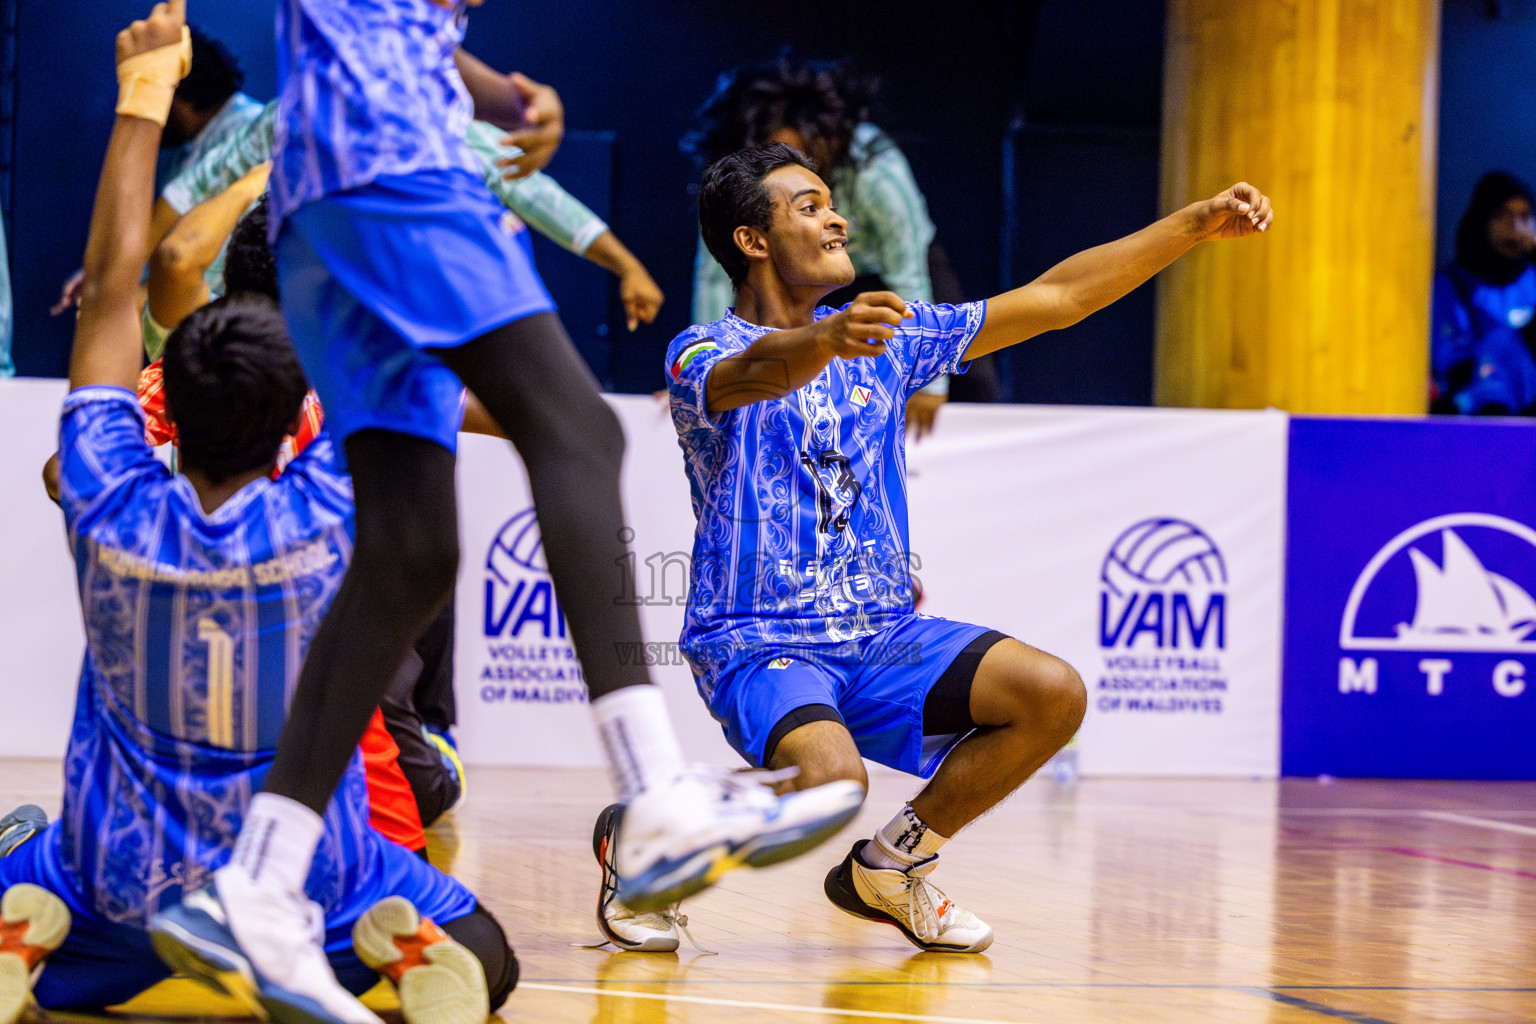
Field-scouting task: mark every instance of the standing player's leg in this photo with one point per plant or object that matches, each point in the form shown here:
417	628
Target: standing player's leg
1015	706
680	830
249	931
404	565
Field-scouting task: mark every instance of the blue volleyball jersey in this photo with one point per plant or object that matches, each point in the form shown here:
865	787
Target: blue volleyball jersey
196	626
801	501
366	88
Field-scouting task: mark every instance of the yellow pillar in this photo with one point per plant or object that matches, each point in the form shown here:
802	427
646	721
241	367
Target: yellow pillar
1329	107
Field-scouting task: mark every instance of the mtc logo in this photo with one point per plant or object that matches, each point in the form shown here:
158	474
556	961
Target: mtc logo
1445	605
1163	587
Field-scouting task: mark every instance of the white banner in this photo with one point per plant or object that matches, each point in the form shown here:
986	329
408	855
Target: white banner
40	630
520	695
1143	546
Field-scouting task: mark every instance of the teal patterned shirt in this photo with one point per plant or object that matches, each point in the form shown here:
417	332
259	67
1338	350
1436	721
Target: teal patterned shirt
538	199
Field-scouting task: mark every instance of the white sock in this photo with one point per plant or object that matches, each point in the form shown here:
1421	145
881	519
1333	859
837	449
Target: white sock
903	841
637	735
277	841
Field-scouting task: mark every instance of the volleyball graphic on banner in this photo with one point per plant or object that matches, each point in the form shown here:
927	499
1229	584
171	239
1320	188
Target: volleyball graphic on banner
528	652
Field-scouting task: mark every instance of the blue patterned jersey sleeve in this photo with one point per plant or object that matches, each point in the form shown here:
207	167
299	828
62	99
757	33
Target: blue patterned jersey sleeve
933	342
690	357
101	451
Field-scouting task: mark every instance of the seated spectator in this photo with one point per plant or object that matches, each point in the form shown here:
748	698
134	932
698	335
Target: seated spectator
1482	344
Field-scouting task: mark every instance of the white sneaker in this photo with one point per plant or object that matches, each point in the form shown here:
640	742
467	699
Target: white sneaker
33	923
642	933
439	980
259	944
676	840
906	899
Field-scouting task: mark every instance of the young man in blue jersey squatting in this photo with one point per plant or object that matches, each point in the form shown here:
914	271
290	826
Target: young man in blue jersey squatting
800	625
400	284
199	594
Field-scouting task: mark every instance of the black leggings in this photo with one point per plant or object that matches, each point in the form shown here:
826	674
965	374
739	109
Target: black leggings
404	563
479	932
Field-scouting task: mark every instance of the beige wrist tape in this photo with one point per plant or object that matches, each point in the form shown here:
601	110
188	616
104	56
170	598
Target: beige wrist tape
147	81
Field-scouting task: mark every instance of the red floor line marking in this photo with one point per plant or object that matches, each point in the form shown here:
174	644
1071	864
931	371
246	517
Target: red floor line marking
1422	855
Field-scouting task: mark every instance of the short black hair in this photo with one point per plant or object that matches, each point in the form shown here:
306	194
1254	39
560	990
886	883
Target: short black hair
822	100
732	195
233	385
248	262
215	74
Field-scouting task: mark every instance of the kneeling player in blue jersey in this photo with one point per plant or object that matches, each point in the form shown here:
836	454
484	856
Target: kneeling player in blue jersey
800	625
199	596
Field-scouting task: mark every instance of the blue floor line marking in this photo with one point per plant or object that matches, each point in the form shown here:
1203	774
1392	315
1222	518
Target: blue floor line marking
1312	1007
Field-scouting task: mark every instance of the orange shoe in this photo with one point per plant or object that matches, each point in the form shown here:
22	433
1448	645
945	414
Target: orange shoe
33	923
439	980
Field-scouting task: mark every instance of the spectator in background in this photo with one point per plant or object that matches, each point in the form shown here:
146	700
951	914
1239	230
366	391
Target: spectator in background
208	109
823	110
1484	302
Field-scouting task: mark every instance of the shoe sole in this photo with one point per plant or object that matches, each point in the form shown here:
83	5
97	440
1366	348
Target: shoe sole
840	891
602	838
15	987
47	920
25	822
209	964
674	881
449	988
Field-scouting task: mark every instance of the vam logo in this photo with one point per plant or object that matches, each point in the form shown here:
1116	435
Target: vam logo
528	656
1455	584
518	591
1163	586
1163	620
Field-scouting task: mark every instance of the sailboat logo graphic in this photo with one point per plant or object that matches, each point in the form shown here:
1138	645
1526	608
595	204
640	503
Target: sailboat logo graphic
1460	603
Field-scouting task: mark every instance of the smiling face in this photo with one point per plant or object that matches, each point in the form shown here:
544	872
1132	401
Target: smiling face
806	240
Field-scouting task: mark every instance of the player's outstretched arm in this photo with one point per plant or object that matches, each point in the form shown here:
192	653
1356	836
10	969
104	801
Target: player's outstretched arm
1094	278
152	57
782	362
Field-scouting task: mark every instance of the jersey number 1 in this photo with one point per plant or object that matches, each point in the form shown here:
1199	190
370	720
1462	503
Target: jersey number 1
221	683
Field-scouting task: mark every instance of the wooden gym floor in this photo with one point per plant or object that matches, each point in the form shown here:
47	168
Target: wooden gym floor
1113	900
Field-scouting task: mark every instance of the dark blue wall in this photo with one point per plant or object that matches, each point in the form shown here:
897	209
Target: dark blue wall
1070	88
637	70
64	97
1487	102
